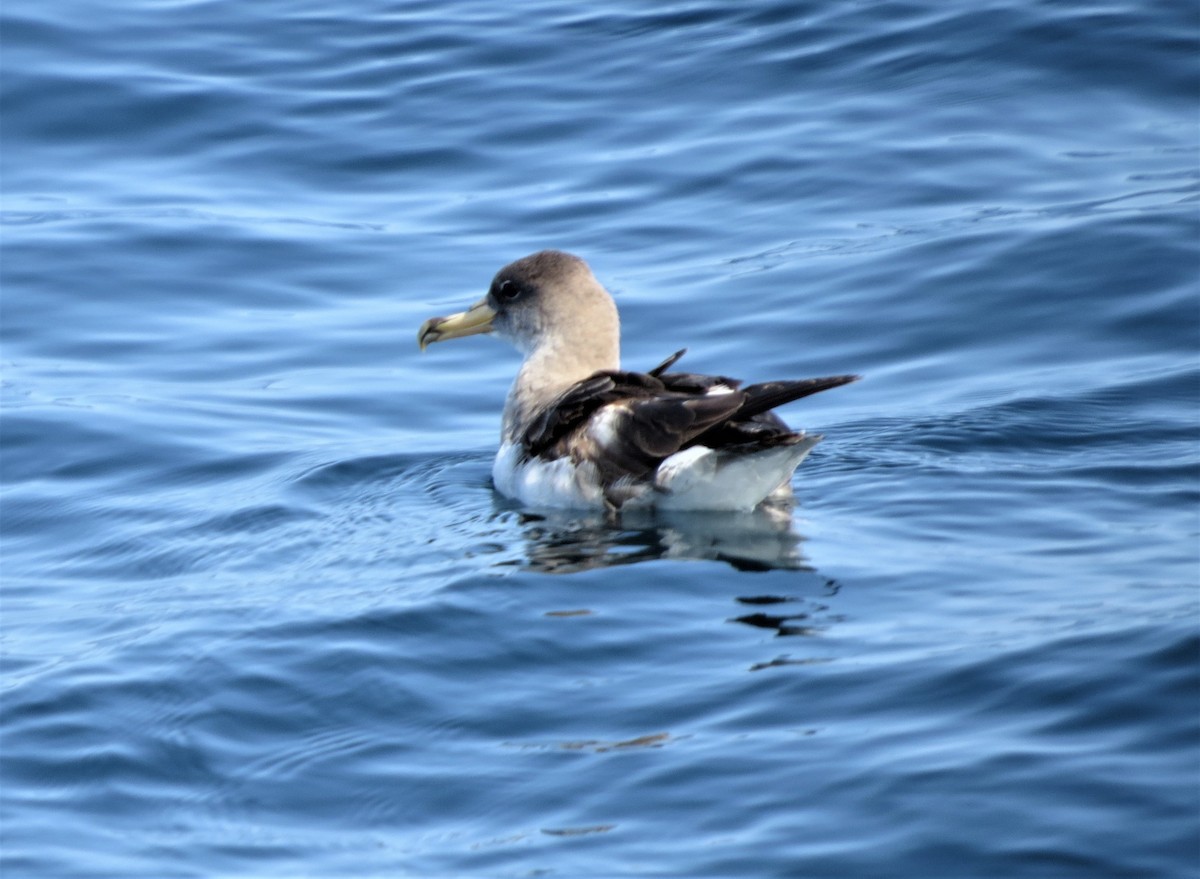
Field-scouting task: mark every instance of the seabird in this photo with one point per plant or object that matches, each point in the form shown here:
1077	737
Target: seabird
580	432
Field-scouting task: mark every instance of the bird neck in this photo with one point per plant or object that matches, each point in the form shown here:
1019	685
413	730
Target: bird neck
549	370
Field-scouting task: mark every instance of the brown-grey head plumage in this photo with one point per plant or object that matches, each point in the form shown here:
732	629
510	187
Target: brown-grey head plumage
553	309
551	299
551	306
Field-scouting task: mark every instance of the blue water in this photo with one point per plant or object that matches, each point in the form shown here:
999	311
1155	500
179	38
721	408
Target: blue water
262	613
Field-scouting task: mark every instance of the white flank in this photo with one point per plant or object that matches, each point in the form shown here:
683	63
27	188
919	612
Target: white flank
556	484
701	479
694	479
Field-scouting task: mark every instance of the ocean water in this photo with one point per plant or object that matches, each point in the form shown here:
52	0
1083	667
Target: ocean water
264	616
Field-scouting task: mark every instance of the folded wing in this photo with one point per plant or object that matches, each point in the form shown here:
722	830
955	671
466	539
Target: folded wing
627	423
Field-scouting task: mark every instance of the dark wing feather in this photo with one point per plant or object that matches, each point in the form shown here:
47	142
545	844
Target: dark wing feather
754	425
689	382
651	416
570	409
637	434
574	406
696	383
766	396
668	363
647	430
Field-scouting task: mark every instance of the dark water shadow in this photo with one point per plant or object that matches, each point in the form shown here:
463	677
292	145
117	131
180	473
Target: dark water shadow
758	546
562	542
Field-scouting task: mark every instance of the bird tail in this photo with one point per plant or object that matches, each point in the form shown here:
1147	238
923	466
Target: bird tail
767	395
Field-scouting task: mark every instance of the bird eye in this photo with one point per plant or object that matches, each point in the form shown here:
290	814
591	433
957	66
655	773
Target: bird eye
508	290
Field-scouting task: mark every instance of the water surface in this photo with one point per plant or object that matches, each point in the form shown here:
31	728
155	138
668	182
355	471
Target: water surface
262	613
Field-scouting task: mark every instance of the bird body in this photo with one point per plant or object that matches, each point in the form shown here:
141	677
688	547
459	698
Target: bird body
579	432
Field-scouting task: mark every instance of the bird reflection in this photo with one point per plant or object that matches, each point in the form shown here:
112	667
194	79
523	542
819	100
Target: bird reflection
762	540
795	609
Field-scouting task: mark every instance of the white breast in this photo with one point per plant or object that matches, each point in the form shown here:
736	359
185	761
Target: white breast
557	484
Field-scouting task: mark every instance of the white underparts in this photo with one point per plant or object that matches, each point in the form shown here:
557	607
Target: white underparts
698	478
